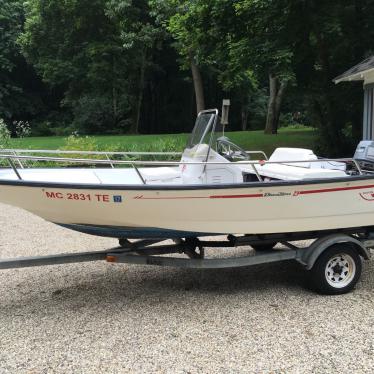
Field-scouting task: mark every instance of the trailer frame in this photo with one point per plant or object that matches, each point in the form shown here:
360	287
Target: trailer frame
152	252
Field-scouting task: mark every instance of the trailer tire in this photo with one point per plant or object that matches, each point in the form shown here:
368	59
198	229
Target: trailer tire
264	247
337	270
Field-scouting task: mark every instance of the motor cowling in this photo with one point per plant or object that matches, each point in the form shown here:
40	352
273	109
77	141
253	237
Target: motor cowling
364	154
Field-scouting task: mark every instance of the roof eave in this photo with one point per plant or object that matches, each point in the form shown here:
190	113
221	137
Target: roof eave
356	77
360	76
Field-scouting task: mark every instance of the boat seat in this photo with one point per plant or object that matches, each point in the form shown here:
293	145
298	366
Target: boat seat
294	154
159	173
287	172
299	170
301	154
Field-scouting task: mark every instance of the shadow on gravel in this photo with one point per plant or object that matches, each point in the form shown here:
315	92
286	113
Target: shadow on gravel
121	283
132	286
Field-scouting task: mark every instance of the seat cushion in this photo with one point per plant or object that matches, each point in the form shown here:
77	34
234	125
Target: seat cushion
159	173
294	154
287	172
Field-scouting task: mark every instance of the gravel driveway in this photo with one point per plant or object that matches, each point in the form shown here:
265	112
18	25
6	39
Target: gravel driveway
99	317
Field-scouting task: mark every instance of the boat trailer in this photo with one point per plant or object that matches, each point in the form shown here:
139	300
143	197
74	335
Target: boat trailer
332	259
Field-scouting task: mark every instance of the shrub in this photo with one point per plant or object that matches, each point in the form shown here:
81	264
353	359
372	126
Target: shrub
293	121
4	135
22	128
55	123
43	128
75	142
168	145
94	115
4	140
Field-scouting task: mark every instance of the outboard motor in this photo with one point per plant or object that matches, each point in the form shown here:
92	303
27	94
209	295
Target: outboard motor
365	155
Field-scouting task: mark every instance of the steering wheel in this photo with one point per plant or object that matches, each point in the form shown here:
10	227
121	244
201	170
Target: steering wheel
231	151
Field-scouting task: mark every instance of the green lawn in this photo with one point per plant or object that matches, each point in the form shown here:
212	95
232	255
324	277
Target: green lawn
249	140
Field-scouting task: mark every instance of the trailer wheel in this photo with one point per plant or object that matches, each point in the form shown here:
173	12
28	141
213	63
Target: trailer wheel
336	270
263	247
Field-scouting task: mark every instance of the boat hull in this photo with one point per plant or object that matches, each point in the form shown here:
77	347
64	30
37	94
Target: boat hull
151	211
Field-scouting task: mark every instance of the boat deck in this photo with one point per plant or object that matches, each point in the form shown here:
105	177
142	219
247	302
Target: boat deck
117	176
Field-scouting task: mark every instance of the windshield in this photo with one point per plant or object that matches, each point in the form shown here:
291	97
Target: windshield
201	132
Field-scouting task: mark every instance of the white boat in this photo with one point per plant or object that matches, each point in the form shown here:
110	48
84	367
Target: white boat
215	188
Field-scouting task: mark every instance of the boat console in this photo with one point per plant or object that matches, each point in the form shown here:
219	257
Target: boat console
286	164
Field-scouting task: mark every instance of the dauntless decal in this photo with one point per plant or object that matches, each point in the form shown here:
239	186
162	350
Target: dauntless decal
275	194
368	196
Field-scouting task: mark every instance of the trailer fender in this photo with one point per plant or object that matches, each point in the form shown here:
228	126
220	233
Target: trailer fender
309	256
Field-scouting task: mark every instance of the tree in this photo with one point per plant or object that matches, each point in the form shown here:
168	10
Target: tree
222	58
73	46
109	66
328	38
10	26
238	42
140	37
265	43
20	89
184	20
97	52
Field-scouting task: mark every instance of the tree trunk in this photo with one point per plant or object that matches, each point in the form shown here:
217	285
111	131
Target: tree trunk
244	115
273	83
276	95
114	103
198	86
332	128
153	121
278	103
114	93
135	125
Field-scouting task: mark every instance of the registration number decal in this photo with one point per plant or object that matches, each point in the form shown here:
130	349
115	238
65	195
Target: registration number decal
101	198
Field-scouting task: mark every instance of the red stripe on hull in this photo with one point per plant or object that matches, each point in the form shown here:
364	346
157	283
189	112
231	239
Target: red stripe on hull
235	196
336	189
171	198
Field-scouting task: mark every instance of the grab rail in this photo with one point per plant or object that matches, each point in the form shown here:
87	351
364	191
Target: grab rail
175	163
104	153
134	163
258	152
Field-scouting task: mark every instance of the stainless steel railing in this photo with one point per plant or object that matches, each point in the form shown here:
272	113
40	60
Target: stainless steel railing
106	154
93	153
12	156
